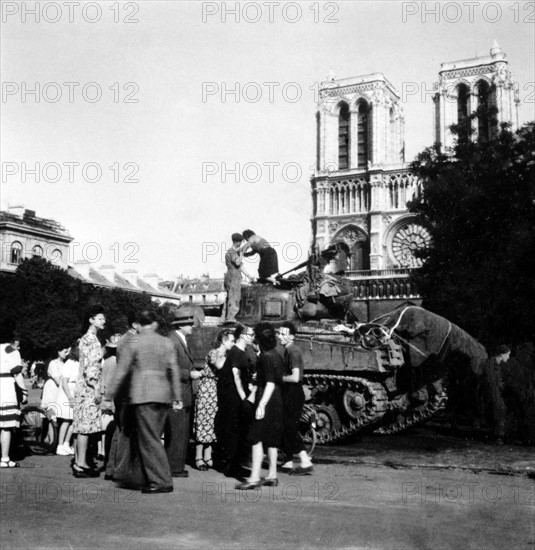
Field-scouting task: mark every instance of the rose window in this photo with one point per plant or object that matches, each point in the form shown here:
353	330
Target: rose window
407	240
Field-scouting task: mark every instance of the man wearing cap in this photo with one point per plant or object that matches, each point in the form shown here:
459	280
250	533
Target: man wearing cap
234	263
178	426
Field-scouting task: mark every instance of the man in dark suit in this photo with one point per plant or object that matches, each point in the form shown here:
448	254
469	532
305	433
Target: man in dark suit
178	426
148	366
117	432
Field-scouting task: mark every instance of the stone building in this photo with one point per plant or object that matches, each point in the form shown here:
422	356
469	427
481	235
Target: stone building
362	183
466	85
24	235
203	291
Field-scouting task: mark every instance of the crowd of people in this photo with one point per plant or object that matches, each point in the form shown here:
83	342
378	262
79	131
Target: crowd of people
130	402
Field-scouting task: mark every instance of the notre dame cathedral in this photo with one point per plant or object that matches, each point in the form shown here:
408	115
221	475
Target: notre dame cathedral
362	183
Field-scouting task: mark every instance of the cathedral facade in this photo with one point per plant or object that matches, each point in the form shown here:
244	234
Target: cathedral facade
362	184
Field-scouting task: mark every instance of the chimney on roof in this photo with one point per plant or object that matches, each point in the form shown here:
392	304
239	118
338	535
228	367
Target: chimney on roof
131	276
107	271
82	267
16	209
152	279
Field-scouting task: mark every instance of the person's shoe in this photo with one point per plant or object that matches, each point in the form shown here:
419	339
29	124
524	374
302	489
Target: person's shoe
300	471
270	482
8	463
108	477
156	490
287	467
90	472
78	471
183	473
61	450
248	485
69	449
201	465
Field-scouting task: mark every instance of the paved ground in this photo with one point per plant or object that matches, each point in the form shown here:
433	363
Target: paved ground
433	447
423	491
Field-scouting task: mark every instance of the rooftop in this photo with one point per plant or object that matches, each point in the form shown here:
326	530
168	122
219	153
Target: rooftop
29	219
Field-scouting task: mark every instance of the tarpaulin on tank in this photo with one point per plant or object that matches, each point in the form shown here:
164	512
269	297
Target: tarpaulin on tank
428	335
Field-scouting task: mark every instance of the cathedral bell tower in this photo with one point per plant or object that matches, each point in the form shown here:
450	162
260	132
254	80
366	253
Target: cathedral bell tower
361	184
466	85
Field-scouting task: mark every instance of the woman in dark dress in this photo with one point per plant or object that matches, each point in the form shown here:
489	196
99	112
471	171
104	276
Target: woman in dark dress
269	263
267	428
232	391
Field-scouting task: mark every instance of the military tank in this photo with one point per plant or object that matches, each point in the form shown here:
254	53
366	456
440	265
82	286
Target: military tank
383	376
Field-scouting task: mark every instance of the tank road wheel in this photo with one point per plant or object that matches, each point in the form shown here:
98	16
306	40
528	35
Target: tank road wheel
364	401
327	423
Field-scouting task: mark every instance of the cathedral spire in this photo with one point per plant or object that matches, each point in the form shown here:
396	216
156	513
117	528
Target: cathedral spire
496	51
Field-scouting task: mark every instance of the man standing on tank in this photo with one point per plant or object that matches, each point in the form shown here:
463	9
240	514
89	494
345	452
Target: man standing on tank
232	281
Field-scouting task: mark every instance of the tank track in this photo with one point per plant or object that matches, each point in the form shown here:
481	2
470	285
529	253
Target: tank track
407	416
425	412
379	404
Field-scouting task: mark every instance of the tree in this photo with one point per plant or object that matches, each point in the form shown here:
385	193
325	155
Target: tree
46	307
478	201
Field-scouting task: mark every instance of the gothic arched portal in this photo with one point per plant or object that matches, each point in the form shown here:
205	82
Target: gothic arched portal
359	246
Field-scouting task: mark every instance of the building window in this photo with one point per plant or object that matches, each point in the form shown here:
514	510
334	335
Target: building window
363	134
484	102
191	298
37	251
56	255
216	298
204	298
343	137
463	98
16	252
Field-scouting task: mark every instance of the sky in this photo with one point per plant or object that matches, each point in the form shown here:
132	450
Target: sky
165	127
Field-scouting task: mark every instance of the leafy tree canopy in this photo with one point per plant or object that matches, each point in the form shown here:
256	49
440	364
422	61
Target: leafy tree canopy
45	306
478	201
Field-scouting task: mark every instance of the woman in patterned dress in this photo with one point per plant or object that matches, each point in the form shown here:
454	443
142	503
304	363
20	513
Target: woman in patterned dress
206	401
87	397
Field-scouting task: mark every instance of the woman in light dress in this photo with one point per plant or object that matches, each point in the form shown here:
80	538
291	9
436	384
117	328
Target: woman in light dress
49	397
69	374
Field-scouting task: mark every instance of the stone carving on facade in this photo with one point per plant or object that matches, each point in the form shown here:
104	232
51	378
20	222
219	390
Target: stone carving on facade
333	226
351	236
387	219
378	96
398	111
470	71
408	239
502	77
